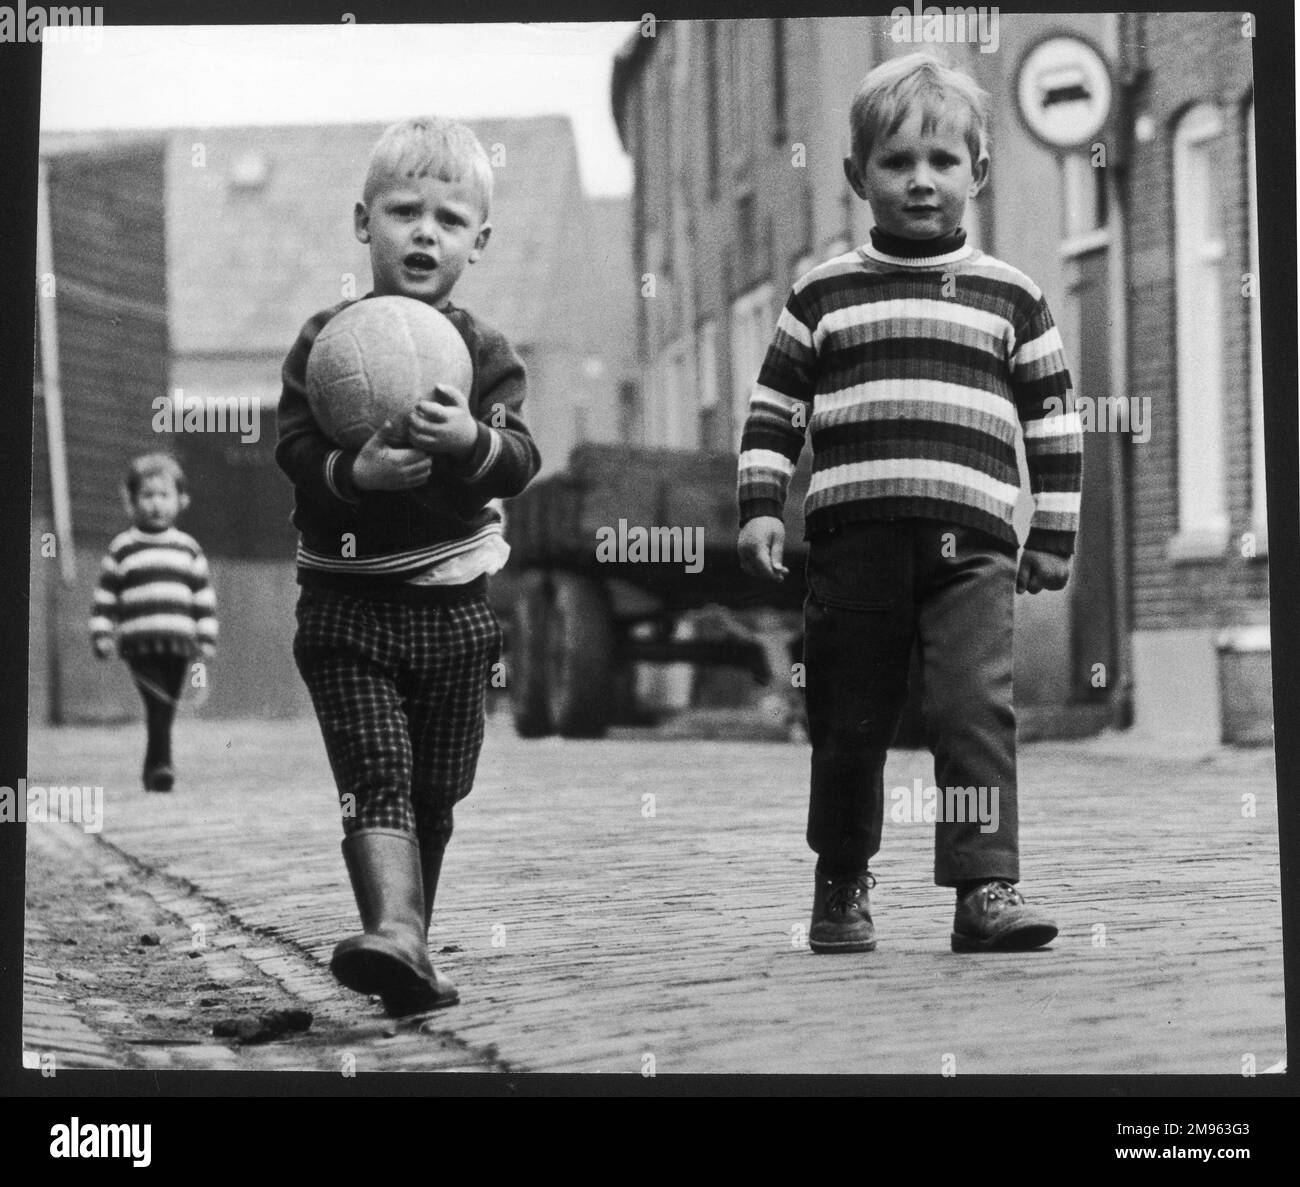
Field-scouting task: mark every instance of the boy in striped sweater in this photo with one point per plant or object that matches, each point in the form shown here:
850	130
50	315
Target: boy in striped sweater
154	595
912	364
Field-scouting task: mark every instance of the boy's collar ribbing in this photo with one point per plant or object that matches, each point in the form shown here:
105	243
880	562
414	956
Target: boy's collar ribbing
917	253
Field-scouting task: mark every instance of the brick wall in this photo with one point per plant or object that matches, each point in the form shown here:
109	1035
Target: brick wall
715	218
106	215
1190	58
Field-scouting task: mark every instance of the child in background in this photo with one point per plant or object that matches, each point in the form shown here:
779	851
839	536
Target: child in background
914	361
154	603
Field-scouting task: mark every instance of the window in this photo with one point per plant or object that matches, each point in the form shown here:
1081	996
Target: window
681	41
751	331
1258	486
779	103
653	405
708	366
744	47
746	230
679	415
712	135
629	419
667	104
1199	251
250	171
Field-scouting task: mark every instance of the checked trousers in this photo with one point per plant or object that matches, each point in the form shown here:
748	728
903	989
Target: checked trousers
399	690
874	588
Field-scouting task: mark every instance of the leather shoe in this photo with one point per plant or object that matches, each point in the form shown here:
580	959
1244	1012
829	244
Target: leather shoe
841	915
994	917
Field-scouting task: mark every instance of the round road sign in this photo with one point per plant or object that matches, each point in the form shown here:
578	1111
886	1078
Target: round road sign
1063	91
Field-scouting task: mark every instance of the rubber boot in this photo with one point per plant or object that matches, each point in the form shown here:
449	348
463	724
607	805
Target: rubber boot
391	958
431	851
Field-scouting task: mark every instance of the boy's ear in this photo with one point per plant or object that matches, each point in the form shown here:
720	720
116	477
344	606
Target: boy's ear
182	501
128	503
361	222
979	175
854	175
480	242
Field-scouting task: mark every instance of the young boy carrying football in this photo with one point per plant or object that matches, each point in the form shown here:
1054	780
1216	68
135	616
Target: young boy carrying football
395	636
915	361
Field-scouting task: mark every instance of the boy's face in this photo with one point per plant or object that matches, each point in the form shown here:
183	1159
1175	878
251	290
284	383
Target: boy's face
157	503
918	182
422	232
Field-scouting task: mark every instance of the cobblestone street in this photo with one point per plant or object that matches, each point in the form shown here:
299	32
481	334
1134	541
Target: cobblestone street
636	905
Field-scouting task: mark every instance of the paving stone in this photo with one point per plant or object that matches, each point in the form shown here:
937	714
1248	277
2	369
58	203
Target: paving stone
590	935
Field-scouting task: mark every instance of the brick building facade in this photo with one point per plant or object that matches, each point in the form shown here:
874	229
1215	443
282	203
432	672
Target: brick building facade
1197	523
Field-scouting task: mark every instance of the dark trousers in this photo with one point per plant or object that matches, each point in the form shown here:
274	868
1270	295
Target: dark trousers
874	588
159	679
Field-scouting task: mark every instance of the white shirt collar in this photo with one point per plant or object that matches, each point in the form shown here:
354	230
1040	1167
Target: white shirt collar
965	251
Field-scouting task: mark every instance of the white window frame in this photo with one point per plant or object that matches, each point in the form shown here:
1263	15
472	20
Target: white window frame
681	428
752	325
707	341
1258	483
1199	252
652	417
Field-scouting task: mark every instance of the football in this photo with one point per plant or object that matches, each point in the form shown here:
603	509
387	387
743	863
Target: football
375	360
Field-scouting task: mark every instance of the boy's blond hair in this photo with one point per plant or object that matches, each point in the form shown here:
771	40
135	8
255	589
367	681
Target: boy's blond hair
889	92
429	146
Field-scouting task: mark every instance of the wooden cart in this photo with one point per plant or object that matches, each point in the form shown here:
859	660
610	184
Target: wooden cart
606	570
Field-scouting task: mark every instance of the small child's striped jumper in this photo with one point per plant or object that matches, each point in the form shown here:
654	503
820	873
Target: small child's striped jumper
154	591
913	378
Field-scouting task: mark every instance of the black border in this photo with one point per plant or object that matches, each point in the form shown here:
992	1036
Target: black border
1116	1096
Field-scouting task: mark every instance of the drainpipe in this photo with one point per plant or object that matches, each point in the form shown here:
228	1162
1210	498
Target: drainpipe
1121	708
53	391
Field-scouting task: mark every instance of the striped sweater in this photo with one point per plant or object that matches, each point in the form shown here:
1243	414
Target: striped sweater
913	378
154	593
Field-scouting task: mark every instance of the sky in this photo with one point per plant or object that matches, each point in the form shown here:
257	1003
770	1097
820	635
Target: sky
204	76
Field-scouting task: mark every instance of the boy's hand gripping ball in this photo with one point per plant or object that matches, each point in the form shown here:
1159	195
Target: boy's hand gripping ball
375	360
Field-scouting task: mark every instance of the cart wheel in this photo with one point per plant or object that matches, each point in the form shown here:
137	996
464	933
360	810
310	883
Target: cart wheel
580	650
623	706
528	659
